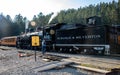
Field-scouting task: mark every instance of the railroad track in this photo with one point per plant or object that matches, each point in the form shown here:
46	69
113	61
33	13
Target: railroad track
77	57
105	59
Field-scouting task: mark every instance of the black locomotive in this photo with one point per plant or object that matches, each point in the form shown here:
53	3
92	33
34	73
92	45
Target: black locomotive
78	38
91	38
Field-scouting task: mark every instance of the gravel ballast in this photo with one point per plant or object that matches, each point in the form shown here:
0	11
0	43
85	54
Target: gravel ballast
12	64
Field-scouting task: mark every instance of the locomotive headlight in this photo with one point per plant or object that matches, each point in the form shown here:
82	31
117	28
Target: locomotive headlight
98	48
52	32
33	23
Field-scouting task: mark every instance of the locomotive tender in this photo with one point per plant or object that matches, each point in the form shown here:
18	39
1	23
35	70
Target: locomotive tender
90	39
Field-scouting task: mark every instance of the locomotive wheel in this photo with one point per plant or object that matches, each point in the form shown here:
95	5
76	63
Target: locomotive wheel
78	51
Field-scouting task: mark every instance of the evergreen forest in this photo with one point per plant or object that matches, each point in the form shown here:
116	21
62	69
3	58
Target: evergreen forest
109	13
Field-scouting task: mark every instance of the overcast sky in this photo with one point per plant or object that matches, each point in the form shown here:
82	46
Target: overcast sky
29	8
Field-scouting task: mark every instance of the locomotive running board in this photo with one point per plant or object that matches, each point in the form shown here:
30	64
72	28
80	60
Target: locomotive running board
107	47
78	45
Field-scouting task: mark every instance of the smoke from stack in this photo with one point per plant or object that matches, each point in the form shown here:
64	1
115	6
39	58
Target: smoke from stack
52	17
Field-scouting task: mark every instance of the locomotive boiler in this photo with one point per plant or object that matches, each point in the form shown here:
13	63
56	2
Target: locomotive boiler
24	41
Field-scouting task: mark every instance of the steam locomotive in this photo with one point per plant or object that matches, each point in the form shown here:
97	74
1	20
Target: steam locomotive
92	38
